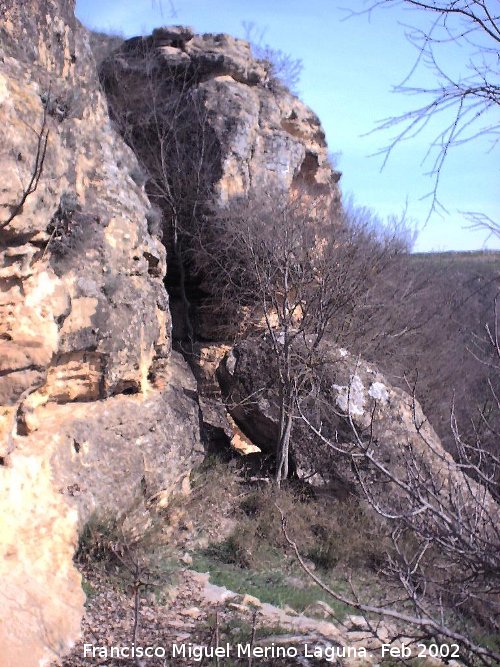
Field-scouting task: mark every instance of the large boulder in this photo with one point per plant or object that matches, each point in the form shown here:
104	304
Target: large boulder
368	438
352	404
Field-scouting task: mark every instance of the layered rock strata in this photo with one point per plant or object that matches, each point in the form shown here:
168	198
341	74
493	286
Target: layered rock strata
94	413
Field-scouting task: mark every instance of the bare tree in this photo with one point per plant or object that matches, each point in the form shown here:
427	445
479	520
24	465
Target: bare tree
466	103
170	4
419	627
483	222
478	450
284	68
42	139
132	547
296	270
443	515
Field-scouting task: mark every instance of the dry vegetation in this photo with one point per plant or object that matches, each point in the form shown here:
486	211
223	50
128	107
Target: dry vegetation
426	329
139	589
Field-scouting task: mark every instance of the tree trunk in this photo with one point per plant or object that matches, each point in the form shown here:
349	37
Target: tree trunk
282	457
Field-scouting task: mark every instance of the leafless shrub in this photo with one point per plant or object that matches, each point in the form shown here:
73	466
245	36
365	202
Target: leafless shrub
444	517
421	323
42	139
130	548
70	230
330	533
290	264
476	451
421	627
102	44
285	70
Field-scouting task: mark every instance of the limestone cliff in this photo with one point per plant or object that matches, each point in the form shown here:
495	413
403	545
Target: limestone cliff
266	137
94	411
209	124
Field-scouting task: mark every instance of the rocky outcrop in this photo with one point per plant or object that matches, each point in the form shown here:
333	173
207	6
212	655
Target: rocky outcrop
94	412
210	125
266	137
208	122
97	414
347	395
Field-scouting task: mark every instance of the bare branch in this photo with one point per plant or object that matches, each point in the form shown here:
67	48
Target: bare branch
425	622
36	171
465	104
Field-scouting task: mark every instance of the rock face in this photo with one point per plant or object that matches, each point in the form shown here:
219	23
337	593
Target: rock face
94	412
210	124
267	138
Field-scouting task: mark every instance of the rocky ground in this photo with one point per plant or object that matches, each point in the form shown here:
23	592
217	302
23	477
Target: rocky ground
188	613
215	579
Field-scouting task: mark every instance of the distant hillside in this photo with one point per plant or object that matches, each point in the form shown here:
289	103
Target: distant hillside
446	300
473	258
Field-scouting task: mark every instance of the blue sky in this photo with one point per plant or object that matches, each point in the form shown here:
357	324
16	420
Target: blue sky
349	68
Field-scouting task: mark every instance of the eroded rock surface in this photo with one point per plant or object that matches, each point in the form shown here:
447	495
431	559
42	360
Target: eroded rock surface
266	137
210	125
96	413
93	412
354	401
41	596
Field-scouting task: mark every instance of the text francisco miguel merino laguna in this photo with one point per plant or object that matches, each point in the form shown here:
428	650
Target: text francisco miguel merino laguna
197	653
